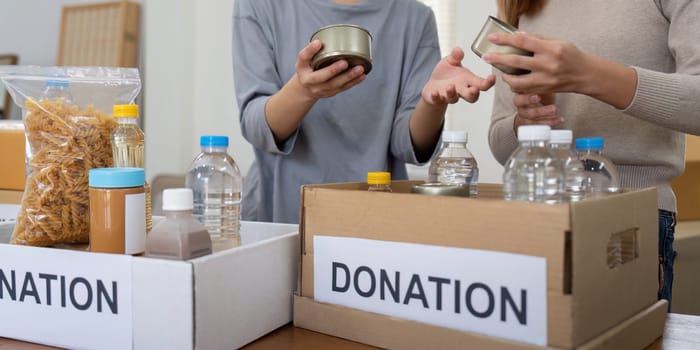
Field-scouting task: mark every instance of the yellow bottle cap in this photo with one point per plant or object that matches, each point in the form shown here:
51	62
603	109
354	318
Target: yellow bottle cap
379	178
126	111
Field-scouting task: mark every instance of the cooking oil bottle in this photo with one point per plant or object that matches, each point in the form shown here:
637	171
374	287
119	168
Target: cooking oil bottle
379	181
128	146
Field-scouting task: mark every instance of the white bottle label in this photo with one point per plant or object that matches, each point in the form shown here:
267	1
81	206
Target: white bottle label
135	223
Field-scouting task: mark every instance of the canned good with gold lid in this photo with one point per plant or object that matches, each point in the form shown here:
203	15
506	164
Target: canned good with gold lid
440	189
482	45
343	42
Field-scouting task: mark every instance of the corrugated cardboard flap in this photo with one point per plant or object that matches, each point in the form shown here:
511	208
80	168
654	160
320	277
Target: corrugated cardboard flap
635	332
12	143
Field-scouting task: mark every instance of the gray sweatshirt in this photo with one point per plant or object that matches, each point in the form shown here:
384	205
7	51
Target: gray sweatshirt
343	137
661	40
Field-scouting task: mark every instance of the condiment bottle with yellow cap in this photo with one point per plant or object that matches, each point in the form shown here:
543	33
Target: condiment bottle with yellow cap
128	146
379	181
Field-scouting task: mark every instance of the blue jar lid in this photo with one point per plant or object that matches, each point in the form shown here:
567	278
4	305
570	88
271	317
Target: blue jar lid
213	140
116	177
590	143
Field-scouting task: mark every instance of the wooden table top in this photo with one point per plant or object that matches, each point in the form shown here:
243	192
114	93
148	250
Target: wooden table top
681	332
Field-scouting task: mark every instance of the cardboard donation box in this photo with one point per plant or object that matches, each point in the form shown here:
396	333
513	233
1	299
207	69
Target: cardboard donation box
12	157
411	271
76	299
11	197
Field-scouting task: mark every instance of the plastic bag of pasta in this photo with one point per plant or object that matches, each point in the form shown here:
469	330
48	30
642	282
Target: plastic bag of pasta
67	121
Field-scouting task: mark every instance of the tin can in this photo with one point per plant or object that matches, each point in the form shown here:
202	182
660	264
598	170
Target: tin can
343	41
440	189
117	210
482	45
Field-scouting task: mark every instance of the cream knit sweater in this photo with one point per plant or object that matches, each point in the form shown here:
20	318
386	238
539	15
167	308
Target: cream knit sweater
661	40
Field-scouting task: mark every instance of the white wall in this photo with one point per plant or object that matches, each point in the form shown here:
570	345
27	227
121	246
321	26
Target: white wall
189	82
475	118
30	29
168	72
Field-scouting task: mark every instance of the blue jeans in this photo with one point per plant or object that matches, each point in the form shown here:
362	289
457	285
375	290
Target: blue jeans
667	228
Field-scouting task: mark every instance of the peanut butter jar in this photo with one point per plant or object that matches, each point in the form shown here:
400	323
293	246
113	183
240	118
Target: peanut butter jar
117	210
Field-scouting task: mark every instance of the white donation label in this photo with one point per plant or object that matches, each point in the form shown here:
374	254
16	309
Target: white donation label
65	298
494	293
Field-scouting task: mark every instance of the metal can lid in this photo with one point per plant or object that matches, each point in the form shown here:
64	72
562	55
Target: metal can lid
116	177
441	189
339	25
503	24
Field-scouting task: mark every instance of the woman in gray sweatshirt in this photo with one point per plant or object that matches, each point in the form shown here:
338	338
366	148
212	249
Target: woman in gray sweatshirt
628	71
338	123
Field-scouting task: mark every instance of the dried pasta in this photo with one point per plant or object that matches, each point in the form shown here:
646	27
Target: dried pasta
65	144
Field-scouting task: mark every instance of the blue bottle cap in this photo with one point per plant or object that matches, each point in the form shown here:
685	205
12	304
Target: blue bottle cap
590	143
57	82
116	177
213	140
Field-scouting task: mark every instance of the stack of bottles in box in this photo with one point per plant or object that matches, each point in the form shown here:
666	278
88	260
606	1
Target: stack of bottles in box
545	169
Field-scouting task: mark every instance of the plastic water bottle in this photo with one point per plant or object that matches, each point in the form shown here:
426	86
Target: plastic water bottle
561	150
58	89
600	174
454	164
215	181
531	174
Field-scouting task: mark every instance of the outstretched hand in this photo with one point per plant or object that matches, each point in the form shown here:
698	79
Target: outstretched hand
450	81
